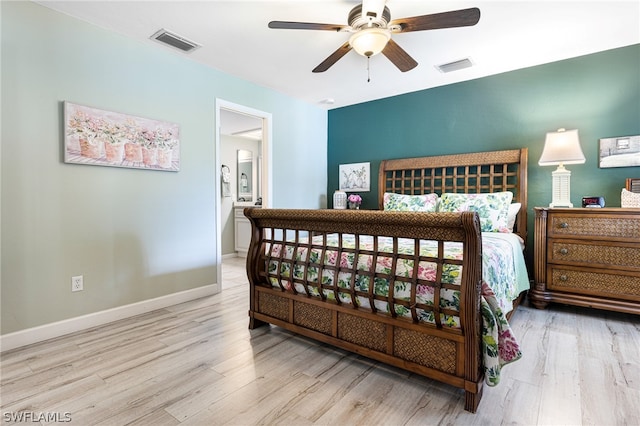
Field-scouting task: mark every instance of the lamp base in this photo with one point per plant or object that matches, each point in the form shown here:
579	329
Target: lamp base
552	205
561	187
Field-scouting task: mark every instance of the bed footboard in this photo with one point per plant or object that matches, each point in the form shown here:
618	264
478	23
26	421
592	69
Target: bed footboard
317	273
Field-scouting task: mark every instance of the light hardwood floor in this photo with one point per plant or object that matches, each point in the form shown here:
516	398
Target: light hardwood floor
197	364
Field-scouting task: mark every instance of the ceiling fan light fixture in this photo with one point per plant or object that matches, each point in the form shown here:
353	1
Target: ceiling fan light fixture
370	41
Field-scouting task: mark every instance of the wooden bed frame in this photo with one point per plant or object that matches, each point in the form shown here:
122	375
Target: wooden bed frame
479	172
445	354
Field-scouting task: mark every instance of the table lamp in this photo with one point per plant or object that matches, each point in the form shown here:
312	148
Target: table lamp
560	148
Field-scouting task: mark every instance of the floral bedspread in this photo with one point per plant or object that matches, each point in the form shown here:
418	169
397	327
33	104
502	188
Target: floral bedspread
500	272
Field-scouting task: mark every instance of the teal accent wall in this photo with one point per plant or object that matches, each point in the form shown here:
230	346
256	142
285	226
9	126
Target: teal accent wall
598	94
133	234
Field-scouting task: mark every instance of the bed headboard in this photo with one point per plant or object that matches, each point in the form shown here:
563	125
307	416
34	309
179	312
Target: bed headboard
479	172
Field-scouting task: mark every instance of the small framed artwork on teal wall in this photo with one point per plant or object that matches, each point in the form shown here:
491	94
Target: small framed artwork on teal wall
355	177
105	138
622	151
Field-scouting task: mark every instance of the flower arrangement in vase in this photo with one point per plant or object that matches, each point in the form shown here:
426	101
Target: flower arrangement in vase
354	201
132	146
166	142
147	139
87	129
114	134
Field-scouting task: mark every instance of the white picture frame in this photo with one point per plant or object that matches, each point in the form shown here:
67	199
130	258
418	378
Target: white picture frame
621	151
98	137
355	177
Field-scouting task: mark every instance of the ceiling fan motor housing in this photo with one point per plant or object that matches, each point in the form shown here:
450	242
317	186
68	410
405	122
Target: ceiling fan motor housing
357	21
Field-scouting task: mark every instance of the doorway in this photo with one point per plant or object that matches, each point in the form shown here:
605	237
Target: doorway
240	121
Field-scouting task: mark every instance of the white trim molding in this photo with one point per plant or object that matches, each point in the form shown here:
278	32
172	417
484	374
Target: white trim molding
267	161
60	328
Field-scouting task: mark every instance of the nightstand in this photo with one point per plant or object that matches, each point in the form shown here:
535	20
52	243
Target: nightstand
587	257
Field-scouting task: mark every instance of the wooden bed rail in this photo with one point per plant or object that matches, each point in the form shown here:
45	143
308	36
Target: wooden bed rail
306	303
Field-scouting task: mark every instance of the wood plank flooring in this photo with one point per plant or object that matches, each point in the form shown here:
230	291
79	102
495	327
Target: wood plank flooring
198	364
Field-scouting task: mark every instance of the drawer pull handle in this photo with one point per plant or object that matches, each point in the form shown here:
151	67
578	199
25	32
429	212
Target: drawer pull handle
564	251
563	277
564	225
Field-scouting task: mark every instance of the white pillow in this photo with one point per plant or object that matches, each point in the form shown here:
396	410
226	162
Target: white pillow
514	209
492	208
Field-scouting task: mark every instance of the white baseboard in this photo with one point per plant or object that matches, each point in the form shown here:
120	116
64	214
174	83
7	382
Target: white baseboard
71	325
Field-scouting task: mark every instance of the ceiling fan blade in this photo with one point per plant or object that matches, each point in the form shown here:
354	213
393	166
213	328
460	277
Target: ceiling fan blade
455	18
398	56
333	58
286	25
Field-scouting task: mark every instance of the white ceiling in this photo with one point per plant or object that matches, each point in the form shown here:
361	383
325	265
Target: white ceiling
233	123
235	39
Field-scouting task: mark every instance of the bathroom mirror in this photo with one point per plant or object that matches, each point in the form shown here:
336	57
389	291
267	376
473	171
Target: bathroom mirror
245	175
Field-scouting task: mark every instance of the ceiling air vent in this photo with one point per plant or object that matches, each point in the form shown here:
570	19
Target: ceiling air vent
455	66
174	40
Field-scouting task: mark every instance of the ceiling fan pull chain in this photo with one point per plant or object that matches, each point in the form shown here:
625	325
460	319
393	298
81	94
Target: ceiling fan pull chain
368	69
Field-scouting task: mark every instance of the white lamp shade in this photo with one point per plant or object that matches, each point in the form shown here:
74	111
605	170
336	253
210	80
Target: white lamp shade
562	147
370	41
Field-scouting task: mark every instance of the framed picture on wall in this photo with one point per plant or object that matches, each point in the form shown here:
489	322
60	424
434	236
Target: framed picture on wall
622	151
355	177
104	138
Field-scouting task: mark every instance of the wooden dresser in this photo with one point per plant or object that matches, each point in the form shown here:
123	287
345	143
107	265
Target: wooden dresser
587	257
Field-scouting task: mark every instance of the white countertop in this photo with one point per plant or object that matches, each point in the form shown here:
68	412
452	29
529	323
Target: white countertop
242	204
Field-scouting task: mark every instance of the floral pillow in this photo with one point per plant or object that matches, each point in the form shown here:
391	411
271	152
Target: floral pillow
410	203
492	208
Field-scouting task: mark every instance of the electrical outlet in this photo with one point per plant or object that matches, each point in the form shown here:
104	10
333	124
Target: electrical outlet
77	283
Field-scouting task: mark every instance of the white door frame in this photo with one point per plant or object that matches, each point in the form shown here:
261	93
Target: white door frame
267	181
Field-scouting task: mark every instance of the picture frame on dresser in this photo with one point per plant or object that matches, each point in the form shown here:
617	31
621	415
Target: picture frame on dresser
630	196
587	257
633	185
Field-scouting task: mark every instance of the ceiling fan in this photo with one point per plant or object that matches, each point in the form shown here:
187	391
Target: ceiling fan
371	27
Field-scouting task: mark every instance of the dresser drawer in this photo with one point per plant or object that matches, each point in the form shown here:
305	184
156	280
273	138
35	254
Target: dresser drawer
587	257
594	282
621	255
621	228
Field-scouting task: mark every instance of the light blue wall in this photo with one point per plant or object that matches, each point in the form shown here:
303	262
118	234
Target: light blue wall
132	234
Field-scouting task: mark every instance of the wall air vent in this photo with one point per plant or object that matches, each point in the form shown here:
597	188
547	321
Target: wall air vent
455	65
174	40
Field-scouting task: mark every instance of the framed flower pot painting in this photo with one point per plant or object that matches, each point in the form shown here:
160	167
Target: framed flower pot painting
105	138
